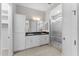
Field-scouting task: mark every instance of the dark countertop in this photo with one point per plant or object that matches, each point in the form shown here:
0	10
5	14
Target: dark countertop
35	33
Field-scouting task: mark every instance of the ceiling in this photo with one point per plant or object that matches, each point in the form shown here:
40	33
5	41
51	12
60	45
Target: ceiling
37	6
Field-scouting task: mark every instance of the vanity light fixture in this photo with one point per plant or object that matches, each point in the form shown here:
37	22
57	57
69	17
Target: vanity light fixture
36	18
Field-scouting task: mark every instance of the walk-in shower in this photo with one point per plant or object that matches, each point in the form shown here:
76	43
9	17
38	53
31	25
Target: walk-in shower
56	27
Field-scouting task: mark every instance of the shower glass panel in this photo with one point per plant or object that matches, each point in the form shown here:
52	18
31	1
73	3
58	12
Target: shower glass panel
56	27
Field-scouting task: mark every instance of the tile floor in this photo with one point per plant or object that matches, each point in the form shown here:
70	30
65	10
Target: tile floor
39	51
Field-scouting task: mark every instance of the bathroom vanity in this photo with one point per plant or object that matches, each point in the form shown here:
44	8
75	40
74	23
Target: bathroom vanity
34	39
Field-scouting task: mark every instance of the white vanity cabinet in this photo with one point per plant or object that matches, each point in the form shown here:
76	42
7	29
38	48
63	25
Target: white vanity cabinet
32	41
44	39
37	40
47	38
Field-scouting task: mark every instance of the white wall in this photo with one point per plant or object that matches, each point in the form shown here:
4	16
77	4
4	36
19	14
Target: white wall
69	33
30	12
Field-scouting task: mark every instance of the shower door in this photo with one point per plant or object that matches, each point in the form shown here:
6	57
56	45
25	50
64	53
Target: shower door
56	27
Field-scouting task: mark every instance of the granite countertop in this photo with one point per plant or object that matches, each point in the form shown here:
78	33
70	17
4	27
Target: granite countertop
35	33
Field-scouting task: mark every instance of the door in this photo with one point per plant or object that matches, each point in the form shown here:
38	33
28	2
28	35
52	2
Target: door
69	29
0	28
6	29
19	32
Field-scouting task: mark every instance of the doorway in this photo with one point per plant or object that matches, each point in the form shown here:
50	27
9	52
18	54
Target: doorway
32	31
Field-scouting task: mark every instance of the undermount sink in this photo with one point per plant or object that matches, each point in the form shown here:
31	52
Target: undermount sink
35	33
43	33
30	34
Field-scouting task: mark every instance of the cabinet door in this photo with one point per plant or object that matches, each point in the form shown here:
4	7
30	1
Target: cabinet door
19	42
27	42
19	32
46	39
36	41
42	39
33	42
19	23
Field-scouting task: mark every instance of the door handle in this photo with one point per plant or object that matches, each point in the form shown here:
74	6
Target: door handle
74	42
74	12
64	38
8	37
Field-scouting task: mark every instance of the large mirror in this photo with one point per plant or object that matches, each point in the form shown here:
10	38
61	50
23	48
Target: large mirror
36	24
